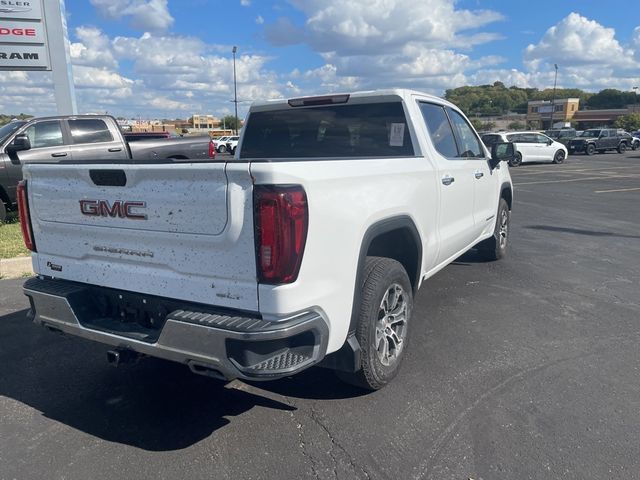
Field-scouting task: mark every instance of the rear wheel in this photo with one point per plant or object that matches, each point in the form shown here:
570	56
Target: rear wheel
622	147
559	156
222	148
495	247
384	314
516	160
591	149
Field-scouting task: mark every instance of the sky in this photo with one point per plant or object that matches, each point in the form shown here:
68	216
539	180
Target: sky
173	58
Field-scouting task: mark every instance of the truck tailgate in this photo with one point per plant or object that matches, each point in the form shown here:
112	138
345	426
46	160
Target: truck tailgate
182	231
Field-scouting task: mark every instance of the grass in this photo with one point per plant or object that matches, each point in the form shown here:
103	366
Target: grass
11	244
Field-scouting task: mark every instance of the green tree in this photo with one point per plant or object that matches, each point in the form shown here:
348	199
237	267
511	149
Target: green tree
630	122
611	98
231	122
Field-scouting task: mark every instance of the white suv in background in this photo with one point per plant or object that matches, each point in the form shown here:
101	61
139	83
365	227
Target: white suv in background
221	143
530	147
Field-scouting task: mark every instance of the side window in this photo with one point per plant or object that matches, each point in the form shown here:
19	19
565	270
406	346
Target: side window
45	134
604	133
542	139
468	142
439	129
528	138
89	130
490	139
515	137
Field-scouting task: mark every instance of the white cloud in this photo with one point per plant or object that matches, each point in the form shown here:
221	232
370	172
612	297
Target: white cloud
259	20
245	3
363	27
147	15
576	40
94	49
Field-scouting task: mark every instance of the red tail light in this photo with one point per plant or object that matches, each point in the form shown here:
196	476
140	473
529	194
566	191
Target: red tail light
212	149
25	219
281	220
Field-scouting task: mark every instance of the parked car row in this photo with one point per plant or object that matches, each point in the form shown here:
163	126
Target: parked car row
226	144
555	145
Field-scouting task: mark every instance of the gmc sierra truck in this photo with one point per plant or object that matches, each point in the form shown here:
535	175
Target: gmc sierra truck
307	248
78	138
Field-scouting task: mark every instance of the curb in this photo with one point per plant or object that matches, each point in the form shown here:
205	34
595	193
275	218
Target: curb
15	267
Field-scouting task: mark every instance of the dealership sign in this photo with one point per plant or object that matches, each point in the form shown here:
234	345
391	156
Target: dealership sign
24	10
23	37
22	32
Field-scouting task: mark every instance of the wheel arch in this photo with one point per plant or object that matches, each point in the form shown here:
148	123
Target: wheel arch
506	192
395	238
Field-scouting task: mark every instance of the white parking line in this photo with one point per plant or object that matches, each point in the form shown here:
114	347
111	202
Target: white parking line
618	190
577	179
578	170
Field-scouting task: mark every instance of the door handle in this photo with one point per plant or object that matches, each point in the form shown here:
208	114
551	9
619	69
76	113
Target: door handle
478	175
447	180
116	149
62	154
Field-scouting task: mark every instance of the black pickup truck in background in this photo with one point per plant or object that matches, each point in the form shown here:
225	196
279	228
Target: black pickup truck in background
83	137
599	140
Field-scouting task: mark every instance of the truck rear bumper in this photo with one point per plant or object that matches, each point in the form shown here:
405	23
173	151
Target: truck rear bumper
221	345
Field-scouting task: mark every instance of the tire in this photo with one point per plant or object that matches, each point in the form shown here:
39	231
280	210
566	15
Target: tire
222	149
622	147
3	212
559	157
590	149
516	161
233	150
495	247
383	338
635	145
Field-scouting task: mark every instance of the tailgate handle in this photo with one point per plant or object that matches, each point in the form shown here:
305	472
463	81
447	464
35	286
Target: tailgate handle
108	178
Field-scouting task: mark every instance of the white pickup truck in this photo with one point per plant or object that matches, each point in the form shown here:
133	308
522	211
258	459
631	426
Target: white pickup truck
307	248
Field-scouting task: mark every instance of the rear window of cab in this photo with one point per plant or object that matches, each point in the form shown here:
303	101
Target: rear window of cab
359	130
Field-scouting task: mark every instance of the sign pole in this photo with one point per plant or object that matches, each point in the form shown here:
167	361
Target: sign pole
60	57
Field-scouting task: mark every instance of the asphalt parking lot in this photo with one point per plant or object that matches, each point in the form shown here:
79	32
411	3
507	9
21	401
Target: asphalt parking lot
524	368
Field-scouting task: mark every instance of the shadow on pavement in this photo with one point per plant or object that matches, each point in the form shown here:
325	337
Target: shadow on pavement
578	231
469	258
154	405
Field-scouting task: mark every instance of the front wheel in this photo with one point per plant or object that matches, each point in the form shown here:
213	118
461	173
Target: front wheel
384	315
222	149
559	156
516	160
622	147
591	149
495	247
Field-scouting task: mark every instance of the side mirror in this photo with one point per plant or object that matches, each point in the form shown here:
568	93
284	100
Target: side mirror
501	152
550	141
19	143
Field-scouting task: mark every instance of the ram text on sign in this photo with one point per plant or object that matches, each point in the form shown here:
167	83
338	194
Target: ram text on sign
23	56
21	32
22	9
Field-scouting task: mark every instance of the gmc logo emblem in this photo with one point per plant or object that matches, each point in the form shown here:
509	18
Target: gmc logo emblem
102	208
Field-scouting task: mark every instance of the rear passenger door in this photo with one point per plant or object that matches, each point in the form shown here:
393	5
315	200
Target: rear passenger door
92	139
456	183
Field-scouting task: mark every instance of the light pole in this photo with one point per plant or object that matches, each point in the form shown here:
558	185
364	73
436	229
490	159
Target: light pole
553	99
635	98
235	87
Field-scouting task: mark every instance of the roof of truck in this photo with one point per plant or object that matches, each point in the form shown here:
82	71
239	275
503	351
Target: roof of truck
363	94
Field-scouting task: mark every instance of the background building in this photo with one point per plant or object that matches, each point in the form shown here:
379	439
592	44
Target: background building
544	113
